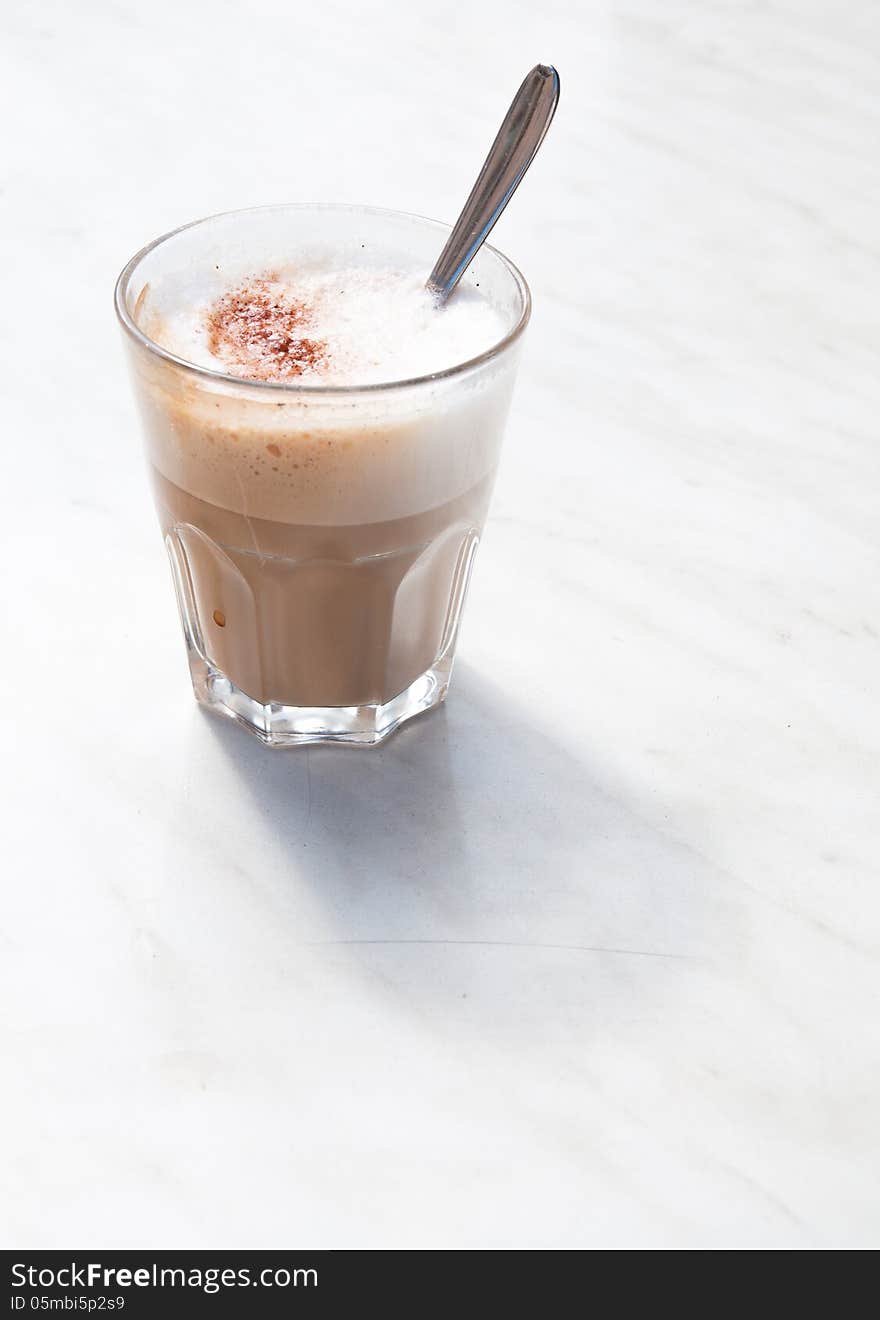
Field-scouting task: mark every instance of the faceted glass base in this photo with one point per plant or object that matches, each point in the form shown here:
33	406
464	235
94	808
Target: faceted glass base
294	726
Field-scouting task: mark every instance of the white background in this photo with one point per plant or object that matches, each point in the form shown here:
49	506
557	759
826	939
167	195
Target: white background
588	958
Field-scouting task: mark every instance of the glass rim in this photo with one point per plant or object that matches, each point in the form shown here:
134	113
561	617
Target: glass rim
324	391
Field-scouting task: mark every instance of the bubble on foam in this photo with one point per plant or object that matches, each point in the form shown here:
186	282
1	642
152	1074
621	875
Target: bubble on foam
374	325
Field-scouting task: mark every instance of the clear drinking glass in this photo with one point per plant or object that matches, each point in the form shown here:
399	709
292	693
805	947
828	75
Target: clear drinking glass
321	538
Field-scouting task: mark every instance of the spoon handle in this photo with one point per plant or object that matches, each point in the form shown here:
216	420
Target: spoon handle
510	156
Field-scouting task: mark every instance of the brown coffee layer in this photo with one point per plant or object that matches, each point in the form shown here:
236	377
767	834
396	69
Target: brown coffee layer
311	615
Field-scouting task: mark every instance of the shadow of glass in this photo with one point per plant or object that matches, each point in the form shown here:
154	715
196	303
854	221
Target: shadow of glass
472	858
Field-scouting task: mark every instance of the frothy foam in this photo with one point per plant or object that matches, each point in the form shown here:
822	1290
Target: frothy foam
313	325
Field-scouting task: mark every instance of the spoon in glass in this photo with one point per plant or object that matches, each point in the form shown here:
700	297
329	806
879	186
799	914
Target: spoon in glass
510	155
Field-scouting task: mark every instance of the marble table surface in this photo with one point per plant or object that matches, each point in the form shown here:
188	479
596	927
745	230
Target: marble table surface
589	958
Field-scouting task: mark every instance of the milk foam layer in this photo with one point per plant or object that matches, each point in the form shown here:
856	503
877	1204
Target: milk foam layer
323	462
308	324
344	291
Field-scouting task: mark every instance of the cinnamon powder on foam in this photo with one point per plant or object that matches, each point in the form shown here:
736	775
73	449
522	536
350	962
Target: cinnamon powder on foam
257	331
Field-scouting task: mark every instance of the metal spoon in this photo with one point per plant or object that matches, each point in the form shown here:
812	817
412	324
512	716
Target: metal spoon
510	156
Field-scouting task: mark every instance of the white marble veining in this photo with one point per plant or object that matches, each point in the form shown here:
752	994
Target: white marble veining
590	957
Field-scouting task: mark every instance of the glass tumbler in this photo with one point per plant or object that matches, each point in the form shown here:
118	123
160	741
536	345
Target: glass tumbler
321	538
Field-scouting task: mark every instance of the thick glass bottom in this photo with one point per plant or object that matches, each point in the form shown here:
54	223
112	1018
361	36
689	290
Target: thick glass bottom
295	726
